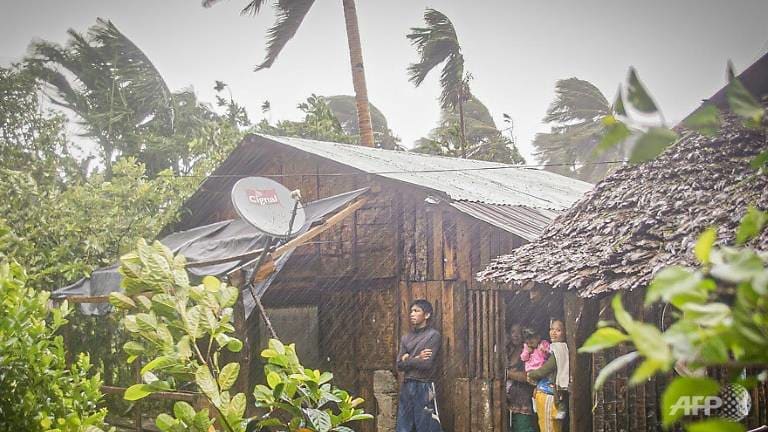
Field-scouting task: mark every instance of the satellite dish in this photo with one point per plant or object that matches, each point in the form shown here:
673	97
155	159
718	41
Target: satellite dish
267	205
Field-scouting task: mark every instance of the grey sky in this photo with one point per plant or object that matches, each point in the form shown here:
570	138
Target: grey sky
515	49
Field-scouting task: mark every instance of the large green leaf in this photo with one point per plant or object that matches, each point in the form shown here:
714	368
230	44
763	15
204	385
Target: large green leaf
138	391
676	282
273	379
184	411
637	95
705	120
618	105
165	422
228	376
741	267
237	405
646	337
605	337
121	301
162	362
320	419
133	348
616	132
751	225
146	322
614	366
760	161
743	104
651	144
709	314
678	393
207	384
704	245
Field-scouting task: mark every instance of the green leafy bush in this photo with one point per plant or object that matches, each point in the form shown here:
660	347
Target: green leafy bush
38	391
180	331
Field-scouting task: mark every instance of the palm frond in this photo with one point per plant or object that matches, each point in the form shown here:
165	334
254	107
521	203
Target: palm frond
577	100
290	14
437	43
253	7
148	88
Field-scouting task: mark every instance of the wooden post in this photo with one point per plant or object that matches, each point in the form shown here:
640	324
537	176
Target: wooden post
580	321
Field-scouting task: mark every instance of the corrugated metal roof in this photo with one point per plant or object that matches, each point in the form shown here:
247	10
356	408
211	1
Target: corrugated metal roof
525	222
470	180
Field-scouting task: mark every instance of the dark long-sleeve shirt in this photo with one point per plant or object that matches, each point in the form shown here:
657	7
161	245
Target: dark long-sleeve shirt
412	344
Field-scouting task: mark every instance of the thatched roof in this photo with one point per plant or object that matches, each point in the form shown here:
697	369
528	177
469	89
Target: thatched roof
647	216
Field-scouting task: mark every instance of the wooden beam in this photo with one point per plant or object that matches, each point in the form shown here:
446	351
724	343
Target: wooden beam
316	231
84	299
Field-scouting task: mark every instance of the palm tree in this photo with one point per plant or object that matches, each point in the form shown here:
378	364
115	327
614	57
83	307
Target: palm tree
437	43
112	86
290	14
576	128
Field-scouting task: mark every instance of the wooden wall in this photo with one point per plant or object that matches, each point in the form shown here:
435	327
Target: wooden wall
364	273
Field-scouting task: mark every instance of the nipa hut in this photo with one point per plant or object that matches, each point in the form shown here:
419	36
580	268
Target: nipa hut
423	229
634	222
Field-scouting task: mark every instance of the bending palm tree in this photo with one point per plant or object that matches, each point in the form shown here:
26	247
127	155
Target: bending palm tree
437	43
576	115
290	14
116	91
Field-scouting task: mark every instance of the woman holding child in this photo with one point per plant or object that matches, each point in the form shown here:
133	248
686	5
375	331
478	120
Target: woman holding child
551	377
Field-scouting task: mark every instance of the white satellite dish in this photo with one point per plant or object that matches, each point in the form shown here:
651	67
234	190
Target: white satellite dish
267	205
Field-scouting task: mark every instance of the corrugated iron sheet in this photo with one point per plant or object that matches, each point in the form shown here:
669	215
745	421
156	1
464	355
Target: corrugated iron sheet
525	222
460	179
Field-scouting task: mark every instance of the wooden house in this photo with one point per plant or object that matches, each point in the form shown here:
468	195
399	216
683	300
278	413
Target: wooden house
428	226
636	221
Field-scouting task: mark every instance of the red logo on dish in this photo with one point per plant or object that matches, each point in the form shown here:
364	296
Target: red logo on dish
263	196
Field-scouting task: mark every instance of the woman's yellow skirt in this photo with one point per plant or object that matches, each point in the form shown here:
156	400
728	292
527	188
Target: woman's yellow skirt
546	411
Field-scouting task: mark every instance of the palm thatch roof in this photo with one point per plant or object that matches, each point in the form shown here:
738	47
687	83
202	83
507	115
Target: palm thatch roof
645	217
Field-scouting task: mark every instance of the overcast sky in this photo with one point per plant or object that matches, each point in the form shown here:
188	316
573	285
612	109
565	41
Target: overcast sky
515	49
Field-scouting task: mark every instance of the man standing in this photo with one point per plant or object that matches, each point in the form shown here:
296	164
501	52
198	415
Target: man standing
417	358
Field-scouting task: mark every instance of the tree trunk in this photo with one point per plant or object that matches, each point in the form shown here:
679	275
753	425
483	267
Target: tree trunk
358	74
462	131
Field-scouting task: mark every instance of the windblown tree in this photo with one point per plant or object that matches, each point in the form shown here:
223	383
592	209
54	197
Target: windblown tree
576	129
437	44
114	89
290	15
484	141
343	107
